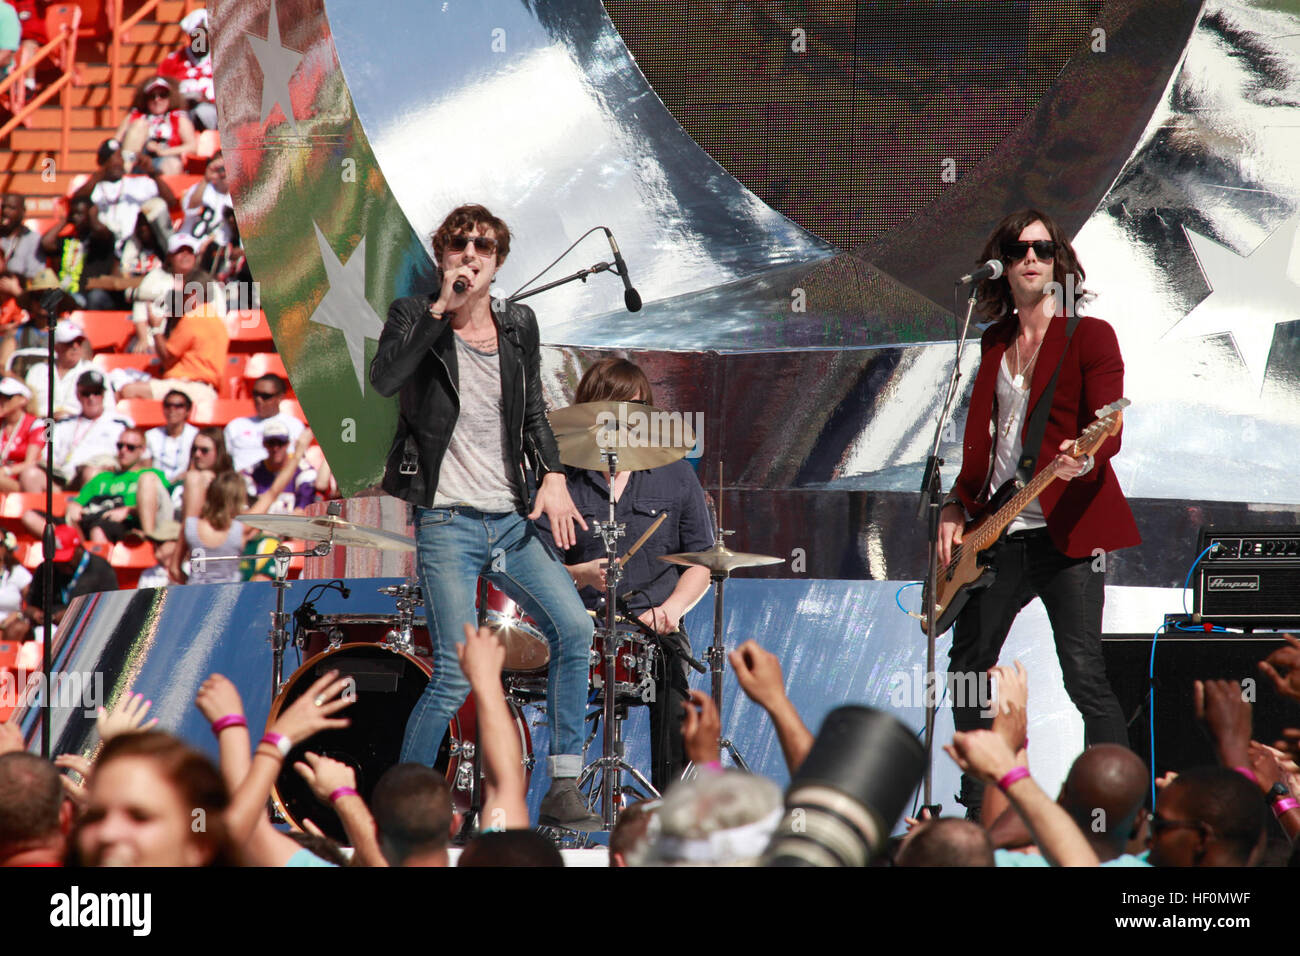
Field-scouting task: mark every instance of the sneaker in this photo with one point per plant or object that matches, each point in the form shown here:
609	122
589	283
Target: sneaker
564	806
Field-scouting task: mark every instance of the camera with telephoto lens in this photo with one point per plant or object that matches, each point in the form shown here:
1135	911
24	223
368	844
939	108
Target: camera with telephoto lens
850	791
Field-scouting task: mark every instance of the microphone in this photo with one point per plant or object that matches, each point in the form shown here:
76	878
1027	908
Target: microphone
459	286
630	296
990	270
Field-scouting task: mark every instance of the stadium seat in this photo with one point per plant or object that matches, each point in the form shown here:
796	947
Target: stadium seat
106	331
15	504
249	331
110	361
290	407
221	412
145	412
36	554
232	383
129	561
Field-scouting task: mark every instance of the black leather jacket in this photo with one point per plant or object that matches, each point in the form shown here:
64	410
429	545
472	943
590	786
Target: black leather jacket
417	357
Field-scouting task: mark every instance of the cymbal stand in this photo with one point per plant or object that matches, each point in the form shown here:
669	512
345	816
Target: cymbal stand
716	654
611	764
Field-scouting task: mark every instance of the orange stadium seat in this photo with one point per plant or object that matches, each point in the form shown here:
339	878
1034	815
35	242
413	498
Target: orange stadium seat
290	406
221	412
249	331
109	361
36	553
130	561
232	383
17	503
106	331
145	412
179	183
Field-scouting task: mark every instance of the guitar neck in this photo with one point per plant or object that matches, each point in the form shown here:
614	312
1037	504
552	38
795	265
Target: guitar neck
992	527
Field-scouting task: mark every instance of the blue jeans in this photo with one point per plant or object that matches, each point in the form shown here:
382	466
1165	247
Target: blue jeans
454	547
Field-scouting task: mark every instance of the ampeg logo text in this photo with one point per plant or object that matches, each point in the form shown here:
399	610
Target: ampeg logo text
1239	582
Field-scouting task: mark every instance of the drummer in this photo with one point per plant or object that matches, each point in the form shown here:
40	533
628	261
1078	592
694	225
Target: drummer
659	593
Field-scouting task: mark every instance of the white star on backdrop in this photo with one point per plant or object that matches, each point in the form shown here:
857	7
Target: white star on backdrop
345	306
1249	295
278	65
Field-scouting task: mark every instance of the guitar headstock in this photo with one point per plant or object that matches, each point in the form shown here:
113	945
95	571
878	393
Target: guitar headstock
1109	421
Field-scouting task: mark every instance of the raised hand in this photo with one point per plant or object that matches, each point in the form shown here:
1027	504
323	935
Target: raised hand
1226	712
218	698
1011	717
127	715
759	674
325	775
310	713
481	656
983	753
1283	666
701	729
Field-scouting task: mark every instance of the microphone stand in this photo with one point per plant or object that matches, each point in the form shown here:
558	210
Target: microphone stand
580	274
50	302
930	507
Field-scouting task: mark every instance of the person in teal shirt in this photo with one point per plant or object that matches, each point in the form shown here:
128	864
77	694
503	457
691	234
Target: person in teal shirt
10	37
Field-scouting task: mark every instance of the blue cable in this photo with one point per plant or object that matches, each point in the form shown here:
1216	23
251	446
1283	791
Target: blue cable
1151	709
1187	583
898	593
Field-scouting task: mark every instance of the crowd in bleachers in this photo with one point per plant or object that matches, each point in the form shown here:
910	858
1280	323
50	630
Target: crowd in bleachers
171	412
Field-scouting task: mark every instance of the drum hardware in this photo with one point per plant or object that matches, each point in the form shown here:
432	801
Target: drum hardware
327	531
604	436
721	561
409	597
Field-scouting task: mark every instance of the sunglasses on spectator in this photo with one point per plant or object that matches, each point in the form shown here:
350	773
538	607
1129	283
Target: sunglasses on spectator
200	450
275	441
81	394
159	95
1044	249
266	396
128	446
483	244
175	405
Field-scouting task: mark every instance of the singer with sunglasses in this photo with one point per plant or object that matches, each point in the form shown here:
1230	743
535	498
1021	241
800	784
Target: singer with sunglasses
1055	549
467	374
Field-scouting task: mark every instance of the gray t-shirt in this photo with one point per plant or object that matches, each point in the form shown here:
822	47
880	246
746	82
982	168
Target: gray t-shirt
475	471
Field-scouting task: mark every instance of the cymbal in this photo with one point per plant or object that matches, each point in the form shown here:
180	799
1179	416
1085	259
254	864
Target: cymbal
720	558
329	528
644	436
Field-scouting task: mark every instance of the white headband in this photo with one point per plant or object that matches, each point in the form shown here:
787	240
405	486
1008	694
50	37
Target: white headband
721	847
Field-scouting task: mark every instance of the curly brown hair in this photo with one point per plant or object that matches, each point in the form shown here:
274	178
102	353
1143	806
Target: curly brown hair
464	218
993	297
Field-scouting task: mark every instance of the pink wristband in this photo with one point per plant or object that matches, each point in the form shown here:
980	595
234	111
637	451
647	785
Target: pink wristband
1285	805
343	792
230	720
713	765
1247	773
1012	775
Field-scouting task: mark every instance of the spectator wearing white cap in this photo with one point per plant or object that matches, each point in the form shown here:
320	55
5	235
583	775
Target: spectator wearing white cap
244	435
22	436
79	441
301	488
70	361
153	298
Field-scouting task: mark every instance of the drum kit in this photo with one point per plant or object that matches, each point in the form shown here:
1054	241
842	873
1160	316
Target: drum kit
390	659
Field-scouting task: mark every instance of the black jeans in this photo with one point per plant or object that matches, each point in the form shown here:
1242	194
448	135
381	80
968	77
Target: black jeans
667	748
1028	565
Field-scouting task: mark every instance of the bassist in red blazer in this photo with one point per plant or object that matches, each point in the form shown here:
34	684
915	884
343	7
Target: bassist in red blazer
1051	549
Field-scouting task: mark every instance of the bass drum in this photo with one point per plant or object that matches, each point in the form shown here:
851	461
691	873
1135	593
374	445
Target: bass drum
388	684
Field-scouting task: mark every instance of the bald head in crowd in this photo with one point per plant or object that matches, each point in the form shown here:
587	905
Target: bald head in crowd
35	819
1104	794
947	841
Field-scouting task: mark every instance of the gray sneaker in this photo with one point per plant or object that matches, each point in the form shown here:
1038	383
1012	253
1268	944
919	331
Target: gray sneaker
564	806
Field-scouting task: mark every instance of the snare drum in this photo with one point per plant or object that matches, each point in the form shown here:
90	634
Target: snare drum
634	663
388	684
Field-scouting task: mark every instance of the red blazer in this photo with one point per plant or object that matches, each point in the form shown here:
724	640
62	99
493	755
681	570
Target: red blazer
1088	512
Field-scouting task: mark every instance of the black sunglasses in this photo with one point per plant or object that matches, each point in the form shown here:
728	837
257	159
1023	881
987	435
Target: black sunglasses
267	396
1044	249
1159	825
483	244
174	405
121	445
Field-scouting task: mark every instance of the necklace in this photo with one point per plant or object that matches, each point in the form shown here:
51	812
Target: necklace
1018	380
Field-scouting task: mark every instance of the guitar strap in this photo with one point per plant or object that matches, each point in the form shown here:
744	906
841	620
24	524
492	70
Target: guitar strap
1038	418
